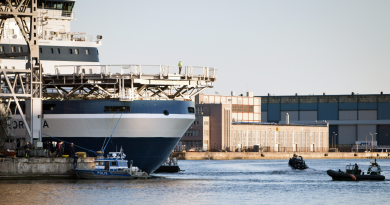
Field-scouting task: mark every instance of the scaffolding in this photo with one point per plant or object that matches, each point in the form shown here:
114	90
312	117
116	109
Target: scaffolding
28	80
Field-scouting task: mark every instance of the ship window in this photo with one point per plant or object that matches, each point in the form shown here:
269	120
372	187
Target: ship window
114	164
59	5
87	51
50	5
117	109
191	110
20	50
76	51
13	50
51	50
58	51
68	6
48	106
70	51
40	50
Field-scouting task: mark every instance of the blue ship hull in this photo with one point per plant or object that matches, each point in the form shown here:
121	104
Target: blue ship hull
148	130
147	153
103	174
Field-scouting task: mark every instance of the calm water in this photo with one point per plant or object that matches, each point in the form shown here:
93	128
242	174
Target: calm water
211	182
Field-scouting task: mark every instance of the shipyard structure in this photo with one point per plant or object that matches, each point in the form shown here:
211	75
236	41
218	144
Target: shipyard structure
234	123
354	122
54	89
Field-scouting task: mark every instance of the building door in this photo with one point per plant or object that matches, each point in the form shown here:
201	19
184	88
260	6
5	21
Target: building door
312	149
277	147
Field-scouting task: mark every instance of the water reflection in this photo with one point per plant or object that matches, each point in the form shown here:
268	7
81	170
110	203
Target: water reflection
210	182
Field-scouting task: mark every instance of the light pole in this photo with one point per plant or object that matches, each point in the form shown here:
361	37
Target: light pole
372	141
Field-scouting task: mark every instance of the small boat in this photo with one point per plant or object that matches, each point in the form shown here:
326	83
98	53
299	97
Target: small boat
112	167
169	166
297	162
353	173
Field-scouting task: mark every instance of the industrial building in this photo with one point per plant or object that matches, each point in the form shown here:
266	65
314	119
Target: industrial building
353	119
234	123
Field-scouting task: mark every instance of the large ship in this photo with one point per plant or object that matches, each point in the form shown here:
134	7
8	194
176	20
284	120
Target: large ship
144	109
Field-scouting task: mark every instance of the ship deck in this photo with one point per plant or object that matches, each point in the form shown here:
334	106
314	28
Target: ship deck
126	82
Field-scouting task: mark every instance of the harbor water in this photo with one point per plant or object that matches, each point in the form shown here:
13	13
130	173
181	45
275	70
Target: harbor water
212	182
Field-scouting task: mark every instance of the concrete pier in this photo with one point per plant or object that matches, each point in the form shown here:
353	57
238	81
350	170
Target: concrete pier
278	155
36	167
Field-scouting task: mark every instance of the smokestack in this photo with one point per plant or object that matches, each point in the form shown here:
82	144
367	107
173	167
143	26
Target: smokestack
287	119
233	93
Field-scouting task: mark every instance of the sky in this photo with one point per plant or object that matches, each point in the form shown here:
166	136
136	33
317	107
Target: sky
281	47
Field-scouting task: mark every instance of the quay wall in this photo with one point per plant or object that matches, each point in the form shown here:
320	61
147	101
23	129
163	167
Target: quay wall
277	155
42	167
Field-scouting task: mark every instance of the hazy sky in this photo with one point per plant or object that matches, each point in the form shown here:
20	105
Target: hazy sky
277	47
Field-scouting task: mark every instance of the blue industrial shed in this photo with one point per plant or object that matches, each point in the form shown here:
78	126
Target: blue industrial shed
352	117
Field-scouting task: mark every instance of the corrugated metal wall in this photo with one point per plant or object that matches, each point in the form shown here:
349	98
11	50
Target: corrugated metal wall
264	116
328	111
383	135
273	112
292	114
368	115
384	111
347	134
333	139
364	130
307	115
348	115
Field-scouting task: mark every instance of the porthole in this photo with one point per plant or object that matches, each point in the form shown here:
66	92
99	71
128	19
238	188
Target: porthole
166	112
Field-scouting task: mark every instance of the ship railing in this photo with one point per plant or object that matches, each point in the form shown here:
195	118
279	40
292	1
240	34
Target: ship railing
162	71
59	14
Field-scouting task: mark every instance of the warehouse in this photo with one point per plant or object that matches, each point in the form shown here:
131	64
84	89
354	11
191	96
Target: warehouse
233	123
352	119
